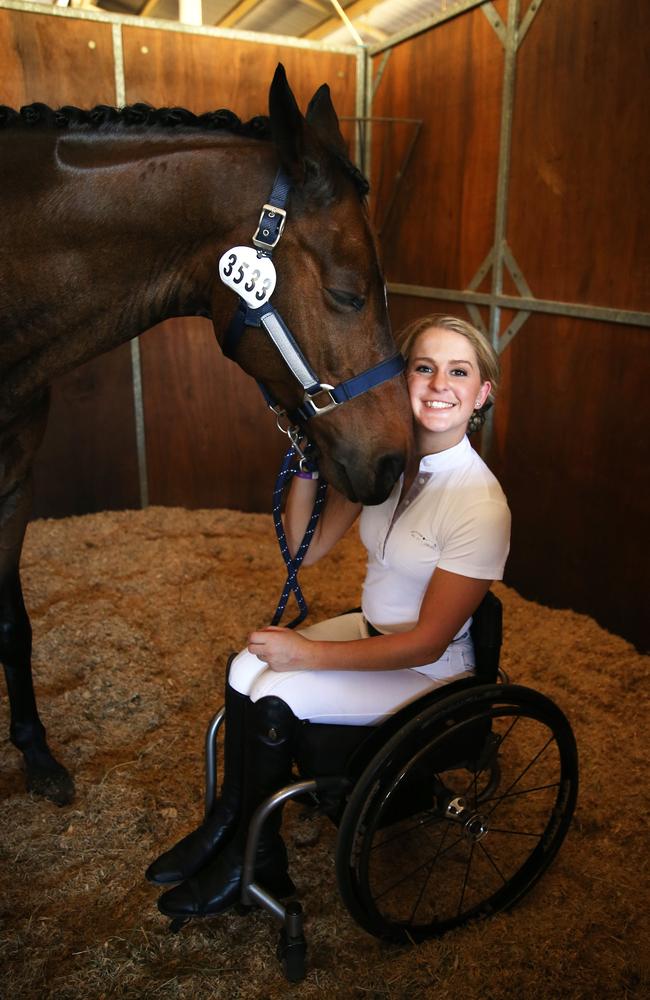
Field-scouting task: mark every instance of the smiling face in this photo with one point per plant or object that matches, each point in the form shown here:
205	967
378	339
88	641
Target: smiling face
445	386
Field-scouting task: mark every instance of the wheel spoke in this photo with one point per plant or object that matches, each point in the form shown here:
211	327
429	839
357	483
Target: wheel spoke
516	833
523	791
492	862
465	880
525	770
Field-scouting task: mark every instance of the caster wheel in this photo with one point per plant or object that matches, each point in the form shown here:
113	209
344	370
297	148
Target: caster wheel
292	954
177	924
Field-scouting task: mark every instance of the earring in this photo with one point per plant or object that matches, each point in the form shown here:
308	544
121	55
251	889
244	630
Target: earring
477	404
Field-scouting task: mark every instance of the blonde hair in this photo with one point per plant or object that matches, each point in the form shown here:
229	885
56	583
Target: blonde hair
488	362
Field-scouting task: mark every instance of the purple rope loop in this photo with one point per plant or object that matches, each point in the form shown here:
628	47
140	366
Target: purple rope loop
287	470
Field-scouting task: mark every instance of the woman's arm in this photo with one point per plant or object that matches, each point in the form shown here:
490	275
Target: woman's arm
449	601
337	515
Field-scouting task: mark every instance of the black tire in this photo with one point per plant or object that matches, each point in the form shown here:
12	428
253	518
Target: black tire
413	860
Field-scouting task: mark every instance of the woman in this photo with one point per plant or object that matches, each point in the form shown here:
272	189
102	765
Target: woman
433	549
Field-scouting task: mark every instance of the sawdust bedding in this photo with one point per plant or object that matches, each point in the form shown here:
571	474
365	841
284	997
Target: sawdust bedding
134	616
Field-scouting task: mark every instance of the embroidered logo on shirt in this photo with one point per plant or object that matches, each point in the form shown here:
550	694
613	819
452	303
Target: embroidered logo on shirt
424	540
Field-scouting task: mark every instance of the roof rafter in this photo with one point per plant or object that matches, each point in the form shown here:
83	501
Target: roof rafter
237	12
326	27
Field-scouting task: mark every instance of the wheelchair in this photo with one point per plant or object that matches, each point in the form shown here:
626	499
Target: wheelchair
448	812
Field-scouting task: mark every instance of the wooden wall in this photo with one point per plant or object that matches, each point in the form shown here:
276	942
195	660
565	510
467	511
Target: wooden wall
569	442
210	440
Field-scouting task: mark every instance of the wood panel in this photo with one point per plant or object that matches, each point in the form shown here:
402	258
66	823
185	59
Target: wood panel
450	78
210	439
580	154
88	461
203	73
570	449
88	458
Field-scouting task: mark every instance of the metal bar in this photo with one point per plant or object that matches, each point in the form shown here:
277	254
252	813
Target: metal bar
430	22
508	335
211	759
477	319
347	22
136	366
188	29
482	271
503	177
256	824
493	17
361	107
406	159
516	272
138	410
380	72
527	20
548	306
118	66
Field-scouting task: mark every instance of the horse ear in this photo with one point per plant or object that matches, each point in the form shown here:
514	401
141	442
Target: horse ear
287	126
302	145
323	119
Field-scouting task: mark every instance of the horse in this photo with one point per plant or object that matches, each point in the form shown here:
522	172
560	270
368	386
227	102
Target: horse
111	221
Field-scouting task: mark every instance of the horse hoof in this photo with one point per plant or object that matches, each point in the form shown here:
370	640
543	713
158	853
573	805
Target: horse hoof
54	783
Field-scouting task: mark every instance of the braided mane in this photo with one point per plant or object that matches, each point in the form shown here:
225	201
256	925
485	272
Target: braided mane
112	120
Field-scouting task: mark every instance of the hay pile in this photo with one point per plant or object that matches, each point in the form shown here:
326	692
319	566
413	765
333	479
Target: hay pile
134	616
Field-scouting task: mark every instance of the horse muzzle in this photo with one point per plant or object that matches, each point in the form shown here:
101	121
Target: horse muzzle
361	480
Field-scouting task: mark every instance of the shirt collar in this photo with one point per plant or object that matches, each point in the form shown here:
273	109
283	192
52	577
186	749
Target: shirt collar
450	458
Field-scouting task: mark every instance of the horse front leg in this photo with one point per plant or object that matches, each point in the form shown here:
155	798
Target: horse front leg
44	775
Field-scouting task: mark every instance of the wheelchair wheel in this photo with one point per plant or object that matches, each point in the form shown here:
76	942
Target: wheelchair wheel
459	814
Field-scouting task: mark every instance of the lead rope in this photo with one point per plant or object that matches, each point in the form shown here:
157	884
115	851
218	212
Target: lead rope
287	470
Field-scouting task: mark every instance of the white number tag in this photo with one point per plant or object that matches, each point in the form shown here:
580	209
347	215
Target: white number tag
252	277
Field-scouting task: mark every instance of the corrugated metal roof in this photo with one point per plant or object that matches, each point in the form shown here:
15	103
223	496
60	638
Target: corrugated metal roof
374	20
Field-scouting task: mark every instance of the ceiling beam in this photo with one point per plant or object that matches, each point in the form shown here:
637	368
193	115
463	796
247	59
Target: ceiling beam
236	13
322	5
352	10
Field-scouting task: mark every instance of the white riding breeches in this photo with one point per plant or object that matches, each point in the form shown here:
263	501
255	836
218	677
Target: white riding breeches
348	697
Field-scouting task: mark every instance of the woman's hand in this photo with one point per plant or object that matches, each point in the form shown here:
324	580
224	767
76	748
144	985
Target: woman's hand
281	648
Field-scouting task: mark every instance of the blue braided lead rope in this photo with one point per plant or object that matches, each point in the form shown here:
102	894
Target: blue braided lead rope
287	470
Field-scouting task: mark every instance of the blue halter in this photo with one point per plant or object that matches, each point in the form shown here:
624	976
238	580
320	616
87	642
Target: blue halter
319	397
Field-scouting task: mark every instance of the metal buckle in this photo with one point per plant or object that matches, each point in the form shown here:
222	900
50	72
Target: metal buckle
326	390
272	210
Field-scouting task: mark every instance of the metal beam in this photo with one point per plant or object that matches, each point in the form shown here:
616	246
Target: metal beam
460	7
236	13
580	310
134	21
353	10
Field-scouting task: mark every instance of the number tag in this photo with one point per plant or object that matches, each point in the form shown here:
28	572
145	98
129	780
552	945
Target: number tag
252	277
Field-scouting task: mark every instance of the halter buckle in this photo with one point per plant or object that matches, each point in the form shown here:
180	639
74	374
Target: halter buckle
326	391
270	227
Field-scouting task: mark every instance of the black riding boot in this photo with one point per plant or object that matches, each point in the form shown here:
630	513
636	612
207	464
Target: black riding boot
197	848
269	747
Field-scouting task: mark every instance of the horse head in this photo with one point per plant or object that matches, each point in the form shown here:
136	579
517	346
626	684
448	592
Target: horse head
331	295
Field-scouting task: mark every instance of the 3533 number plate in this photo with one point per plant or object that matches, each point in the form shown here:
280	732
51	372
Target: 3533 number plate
252	277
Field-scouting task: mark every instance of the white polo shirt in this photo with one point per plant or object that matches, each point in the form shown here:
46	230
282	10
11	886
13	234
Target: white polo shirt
455	516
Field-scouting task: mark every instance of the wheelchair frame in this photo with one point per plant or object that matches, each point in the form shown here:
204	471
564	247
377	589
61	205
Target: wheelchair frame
458	730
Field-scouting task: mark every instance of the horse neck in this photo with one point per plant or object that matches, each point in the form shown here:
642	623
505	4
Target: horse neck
175	199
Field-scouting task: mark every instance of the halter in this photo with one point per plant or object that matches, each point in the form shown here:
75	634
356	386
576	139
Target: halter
241	263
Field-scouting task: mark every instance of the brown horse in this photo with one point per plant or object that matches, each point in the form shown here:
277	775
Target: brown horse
112	221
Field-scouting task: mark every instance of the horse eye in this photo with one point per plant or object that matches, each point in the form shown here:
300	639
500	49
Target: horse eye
348	299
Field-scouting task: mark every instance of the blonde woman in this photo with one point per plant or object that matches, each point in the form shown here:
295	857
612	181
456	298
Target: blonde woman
434	547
